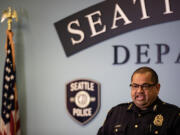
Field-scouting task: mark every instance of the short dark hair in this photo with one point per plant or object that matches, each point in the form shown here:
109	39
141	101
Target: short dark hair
154	77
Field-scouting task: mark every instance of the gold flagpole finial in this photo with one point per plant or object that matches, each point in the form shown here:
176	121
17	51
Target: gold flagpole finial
9	15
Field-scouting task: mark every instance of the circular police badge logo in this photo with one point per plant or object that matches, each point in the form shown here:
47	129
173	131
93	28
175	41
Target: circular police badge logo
83	99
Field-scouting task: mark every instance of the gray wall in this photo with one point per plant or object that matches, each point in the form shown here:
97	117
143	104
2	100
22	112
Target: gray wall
43	68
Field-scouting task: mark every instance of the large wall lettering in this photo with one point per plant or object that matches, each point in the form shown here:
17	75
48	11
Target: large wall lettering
110	18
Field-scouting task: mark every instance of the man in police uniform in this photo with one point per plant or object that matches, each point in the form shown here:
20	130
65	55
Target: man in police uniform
147	114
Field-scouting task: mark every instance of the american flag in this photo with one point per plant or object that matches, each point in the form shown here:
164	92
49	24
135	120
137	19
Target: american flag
9	121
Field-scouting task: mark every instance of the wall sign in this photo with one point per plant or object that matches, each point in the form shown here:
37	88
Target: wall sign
110	18
83	99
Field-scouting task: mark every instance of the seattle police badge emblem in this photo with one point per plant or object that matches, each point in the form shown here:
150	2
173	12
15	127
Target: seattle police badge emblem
158	120
83	99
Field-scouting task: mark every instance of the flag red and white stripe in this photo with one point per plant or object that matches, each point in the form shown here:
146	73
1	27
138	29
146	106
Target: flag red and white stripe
9	120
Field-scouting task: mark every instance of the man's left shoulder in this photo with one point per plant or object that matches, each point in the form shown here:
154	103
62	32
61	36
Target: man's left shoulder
169	107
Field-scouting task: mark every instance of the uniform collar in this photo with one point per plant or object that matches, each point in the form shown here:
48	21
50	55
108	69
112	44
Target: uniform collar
152	108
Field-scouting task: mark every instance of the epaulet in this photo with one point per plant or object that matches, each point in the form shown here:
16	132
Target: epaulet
126	105
122	105
169	106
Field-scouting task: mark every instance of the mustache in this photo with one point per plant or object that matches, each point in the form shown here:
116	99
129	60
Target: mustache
139	94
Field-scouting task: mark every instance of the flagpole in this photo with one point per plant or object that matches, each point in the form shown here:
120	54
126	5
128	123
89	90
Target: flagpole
10	14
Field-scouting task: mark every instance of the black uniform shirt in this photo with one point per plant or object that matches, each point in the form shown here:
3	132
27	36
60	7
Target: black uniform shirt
126	119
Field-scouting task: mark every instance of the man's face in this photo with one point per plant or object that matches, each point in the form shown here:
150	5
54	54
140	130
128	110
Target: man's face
143	97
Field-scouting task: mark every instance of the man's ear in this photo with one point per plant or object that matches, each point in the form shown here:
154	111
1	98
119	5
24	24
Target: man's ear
158	87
